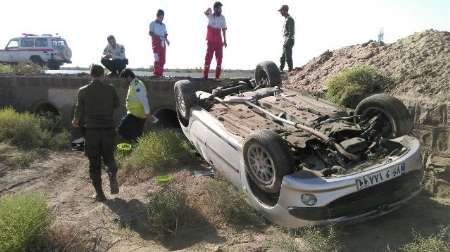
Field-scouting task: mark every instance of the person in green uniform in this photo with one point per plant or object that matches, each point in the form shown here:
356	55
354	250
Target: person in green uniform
288	35
138	109
95	107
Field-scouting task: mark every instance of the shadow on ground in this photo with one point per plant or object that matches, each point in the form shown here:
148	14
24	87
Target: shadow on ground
422	214
132	215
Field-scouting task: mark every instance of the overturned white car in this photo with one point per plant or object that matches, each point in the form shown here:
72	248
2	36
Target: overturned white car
301	160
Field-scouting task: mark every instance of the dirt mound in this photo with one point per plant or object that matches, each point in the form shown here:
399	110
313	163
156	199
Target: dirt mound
419	65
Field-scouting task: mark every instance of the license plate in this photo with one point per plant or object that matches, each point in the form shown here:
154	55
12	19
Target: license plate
380	176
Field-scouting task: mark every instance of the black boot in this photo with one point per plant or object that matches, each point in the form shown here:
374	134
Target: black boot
99	195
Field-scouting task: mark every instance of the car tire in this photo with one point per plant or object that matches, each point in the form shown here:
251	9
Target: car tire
267	74
392	108
268	148
53	65
184	100
37	60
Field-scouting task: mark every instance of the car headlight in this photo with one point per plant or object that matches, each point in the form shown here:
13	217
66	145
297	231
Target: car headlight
309	199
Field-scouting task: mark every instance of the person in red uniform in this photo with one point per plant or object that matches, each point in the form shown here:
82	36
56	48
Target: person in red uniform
158	32
216	27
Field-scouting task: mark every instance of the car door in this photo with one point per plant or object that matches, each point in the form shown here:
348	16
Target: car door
11	51
26	49
224	151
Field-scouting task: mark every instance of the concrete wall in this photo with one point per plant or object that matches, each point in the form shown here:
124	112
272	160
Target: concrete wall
432	127
27	93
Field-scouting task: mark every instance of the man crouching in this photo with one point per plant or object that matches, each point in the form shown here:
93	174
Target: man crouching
95	108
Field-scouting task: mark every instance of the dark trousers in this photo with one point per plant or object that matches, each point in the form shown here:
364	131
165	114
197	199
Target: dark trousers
100	145
115	65
131	127
286	56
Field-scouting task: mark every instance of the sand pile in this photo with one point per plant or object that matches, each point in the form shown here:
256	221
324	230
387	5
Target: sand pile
419	66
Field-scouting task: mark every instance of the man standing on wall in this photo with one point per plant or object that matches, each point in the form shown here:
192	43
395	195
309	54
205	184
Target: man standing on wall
114	56
216	27
158	33
288	36
138	108
95	108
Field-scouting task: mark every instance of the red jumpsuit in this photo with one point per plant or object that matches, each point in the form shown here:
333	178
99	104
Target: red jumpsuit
159	51
215	44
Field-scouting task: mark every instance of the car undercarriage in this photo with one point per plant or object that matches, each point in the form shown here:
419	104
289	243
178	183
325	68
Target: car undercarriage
290	144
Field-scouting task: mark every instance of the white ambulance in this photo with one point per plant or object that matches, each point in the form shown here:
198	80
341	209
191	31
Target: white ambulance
44	50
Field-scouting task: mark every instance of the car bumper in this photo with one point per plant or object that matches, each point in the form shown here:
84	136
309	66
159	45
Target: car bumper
339	200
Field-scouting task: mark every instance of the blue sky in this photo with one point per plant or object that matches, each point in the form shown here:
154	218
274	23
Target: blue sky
254	26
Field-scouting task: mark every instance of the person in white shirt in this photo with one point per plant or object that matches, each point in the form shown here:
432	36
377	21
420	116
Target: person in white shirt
216	27
158	32
114	57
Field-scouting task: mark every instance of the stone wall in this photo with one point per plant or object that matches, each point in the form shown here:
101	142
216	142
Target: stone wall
432	127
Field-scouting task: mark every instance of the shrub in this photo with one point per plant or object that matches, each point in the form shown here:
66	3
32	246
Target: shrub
5	69
51	122
353	84
229	204
307	239
167	211
24	68
20	129
158	148
435	243
21	68
28	131
59	141
22	219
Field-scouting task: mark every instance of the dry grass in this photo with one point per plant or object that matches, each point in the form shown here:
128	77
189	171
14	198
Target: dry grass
229	206
439	242
65	238
167	211
307	239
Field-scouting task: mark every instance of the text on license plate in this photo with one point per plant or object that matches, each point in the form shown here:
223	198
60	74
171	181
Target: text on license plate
380	176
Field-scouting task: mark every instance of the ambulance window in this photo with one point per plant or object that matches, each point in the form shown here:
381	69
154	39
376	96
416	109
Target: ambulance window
28	42
41	42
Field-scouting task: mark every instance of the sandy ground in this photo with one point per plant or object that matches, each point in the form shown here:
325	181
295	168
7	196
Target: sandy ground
117	224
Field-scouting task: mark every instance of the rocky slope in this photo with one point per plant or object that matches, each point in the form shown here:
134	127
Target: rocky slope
419	66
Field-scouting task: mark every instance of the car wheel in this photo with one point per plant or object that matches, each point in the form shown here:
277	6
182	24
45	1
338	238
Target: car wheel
37	60
391	109
267	74
53	66
267	160
184	100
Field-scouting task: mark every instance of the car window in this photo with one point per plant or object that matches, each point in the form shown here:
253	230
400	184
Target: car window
13	44
41	42
27	42
58	43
